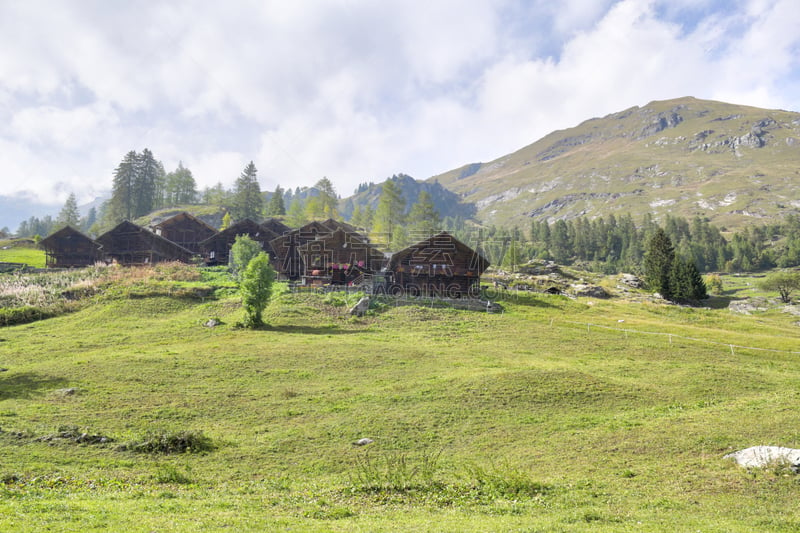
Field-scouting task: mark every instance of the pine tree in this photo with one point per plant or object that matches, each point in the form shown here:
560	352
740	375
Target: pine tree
276	207
247	200
145	184
69	215
121	205
658	263
324	204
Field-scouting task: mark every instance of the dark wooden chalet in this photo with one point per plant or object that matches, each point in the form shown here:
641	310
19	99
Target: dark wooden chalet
339	258
69	248
216	248
287	261
440	265
186	230
129	244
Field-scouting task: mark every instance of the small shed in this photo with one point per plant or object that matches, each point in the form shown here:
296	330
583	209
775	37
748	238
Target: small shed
438	266
69	248
339	258
217	248
129	244
185	230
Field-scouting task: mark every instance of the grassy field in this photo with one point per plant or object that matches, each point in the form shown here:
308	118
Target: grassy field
529	420
21	251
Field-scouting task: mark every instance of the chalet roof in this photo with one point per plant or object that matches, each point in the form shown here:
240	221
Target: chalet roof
243	227
67	232
342	239
107	238
181	217
276	226
431	249
338	224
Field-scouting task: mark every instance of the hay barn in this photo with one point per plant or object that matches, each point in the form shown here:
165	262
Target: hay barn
185	230
287	261
217	248
438	266
69	248
339	258
129	244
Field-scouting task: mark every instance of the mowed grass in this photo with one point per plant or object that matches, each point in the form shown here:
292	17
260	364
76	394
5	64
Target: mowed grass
21	252
528	420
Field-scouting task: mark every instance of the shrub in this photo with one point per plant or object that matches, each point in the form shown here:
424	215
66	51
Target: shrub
256	289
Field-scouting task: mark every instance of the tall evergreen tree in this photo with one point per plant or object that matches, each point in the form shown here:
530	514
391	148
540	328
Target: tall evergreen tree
323	204
69	215
247	200
275	206
145	184
658	262
121	205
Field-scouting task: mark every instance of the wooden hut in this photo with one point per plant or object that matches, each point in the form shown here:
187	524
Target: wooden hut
69	248
287	261
217	248
339	258
185	230
129	244
440	265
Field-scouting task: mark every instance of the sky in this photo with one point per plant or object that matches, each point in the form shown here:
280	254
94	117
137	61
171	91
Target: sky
354	90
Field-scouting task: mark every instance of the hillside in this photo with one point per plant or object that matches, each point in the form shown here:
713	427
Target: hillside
475	427
733	164
447	203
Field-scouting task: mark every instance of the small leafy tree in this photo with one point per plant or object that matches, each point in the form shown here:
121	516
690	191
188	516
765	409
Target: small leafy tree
783	282
243	251
256	289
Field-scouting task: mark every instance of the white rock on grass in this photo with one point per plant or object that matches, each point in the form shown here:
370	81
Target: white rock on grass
765	456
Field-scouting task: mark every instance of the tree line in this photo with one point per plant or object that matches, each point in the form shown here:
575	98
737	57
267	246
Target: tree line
612	244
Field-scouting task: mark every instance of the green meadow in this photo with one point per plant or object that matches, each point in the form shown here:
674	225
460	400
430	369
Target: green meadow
128	413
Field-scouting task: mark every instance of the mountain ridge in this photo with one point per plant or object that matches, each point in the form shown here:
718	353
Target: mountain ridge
730	163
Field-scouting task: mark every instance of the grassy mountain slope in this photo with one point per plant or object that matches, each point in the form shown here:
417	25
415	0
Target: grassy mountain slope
733	164
476	427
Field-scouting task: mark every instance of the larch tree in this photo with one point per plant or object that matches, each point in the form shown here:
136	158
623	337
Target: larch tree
389	214
423	218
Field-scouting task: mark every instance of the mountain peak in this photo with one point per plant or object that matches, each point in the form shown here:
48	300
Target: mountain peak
684	156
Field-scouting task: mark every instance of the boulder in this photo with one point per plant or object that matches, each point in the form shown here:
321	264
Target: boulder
589	291
631	281
361	307
767	456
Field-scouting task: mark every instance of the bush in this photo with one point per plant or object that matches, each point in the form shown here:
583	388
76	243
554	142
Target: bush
256	289
243	251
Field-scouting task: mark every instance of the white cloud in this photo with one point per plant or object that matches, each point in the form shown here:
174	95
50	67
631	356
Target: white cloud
354	90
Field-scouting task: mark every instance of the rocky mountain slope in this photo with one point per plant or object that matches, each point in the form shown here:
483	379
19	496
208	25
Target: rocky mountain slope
733	164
